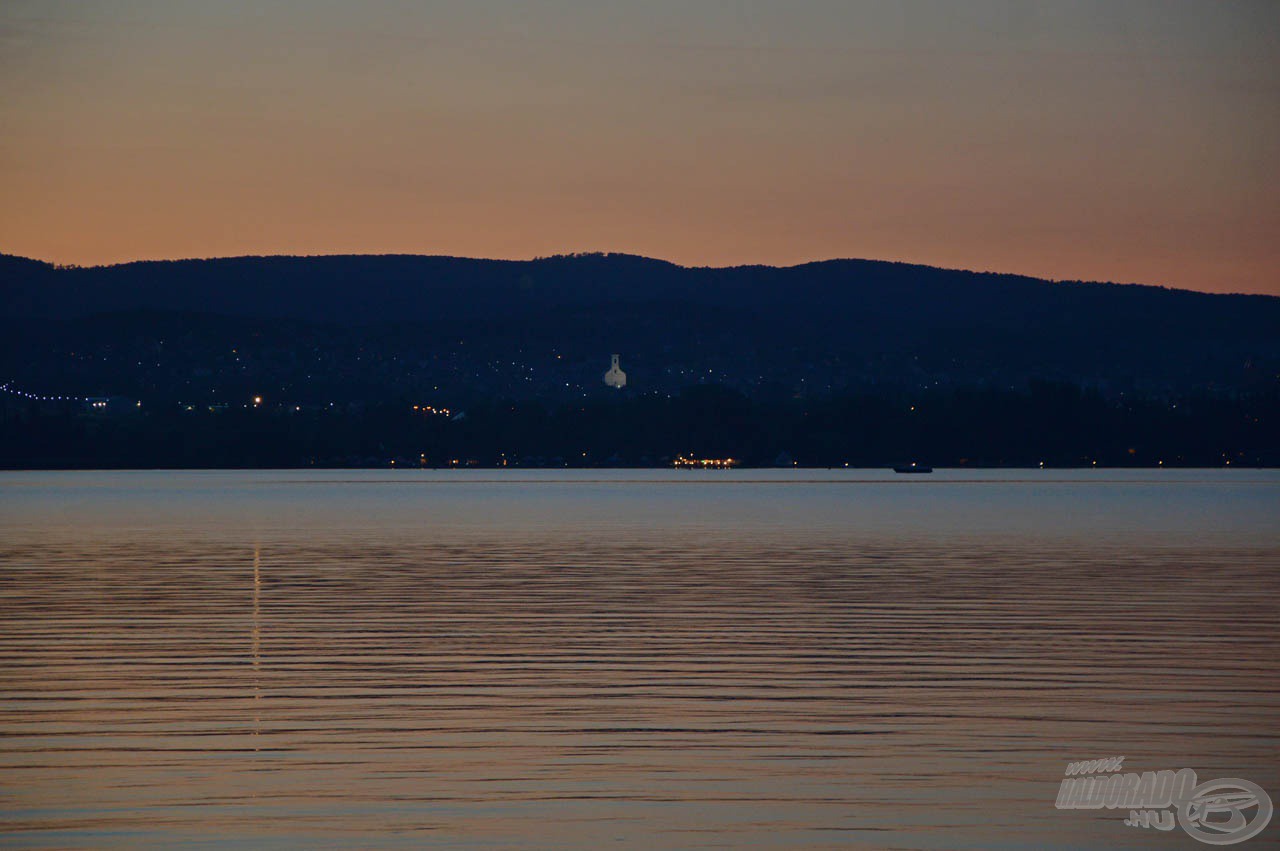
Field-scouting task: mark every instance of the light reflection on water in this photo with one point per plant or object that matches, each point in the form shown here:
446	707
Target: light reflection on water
572	659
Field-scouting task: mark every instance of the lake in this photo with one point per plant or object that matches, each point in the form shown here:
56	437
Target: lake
572	659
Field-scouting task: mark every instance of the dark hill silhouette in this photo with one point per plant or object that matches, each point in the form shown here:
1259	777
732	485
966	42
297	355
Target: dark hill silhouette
811	327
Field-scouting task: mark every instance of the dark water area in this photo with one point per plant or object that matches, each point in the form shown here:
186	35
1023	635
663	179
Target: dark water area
632	658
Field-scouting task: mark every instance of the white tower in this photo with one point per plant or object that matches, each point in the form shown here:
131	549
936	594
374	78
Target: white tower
615	377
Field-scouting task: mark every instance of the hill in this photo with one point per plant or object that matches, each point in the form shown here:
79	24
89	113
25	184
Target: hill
369	326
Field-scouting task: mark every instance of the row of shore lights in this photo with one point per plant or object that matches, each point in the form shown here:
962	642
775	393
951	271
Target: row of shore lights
705	463
16	392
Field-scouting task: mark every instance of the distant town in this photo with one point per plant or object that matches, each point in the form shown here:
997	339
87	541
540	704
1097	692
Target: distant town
447	362
704	426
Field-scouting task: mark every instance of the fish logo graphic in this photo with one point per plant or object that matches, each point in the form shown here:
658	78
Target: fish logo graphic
1225	811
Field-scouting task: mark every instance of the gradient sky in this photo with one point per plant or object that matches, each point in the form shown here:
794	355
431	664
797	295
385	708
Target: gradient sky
1127	140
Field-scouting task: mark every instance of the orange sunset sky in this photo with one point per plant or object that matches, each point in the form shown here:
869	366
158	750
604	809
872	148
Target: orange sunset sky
1134	140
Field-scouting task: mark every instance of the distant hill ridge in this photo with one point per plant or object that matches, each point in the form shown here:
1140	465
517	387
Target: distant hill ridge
398	287
827	324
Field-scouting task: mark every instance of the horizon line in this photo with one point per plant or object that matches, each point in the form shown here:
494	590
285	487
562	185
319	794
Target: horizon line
601	253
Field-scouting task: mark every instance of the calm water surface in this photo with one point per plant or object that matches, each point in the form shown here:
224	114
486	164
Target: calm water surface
643	659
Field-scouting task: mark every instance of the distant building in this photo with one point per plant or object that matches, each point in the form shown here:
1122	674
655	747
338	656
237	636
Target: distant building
109	405
615	377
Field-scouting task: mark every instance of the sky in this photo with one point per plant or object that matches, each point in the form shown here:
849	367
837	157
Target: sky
1121	140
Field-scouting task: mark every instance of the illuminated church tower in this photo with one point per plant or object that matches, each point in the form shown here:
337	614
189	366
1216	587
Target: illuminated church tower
615	377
